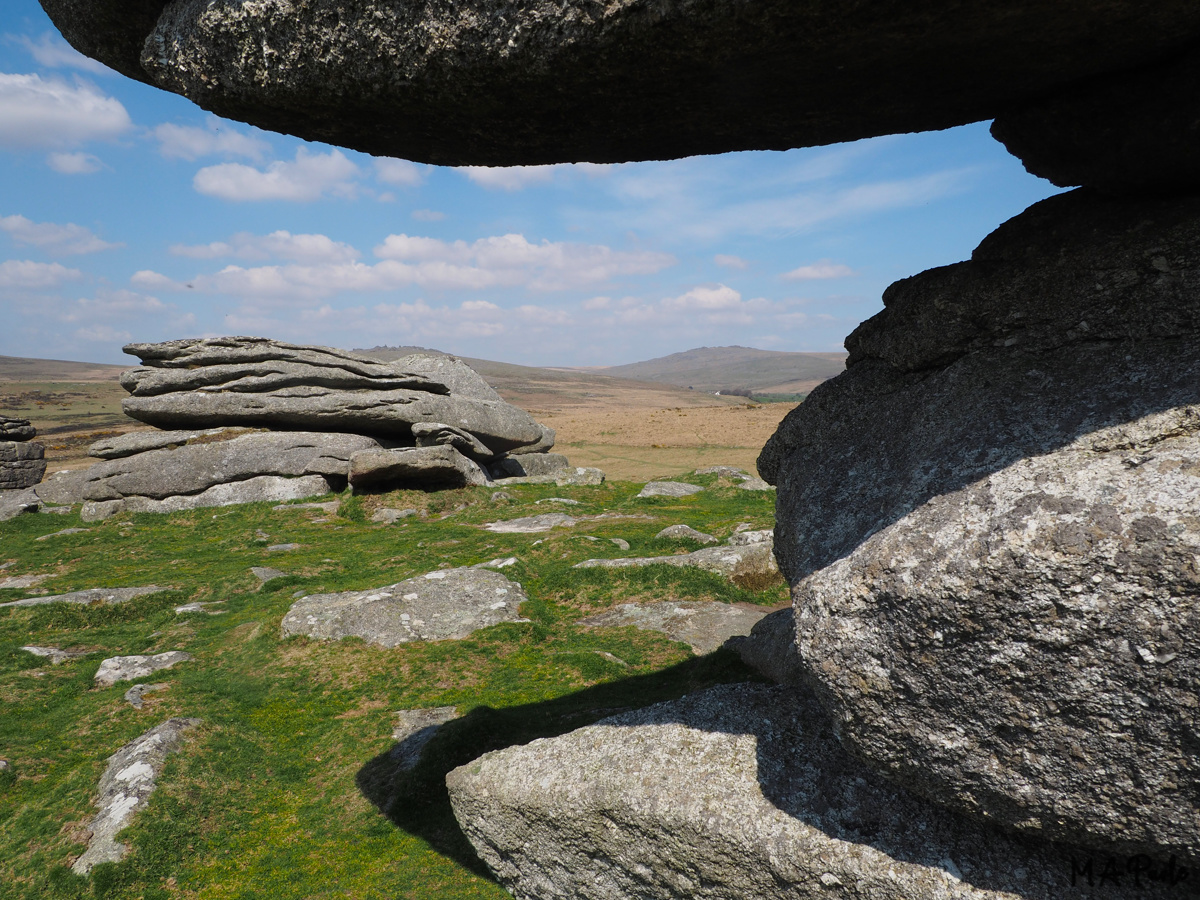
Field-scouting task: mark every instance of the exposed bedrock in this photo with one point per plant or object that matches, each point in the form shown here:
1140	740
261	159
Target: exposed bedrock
491	83
22	464
991	525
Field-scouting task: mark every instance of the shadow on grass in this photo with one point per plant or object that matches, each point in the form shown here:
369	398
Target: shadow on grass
416	799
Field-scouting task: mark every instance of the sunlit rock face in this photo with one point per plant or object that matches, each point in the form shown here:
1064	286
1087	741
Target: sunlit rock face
496	83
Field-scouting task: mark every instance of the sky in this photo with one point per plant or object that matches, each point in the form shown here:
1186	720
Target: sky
129	214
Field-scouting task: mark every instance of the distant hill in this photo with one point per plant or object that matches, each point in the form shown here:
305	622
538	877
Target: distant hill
737	368
18	368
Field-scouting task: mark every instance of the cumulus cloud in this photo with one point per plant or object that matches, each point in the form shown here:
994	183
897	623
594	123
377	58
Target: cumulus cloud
53	52
705	298
302	248
730	262
74	163
26	274
821	269
400	172
191	142
50	112
54	238
308	177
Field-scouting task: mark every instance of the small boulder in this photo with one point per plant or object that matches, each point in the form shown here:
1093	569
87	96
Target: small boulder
14	503
751	566
518	465
686	533
388	516
704	626
669	489
134	696
127	668
532	524
55	655
440	465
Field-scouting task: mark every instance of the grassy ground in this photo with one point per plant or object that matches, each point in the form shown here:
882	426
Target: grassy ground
287	789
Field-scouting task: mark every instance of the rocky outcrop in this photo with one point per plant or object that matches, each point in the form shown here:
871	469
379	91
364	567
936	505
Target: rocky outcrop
90	596
703	626
125	788
442	605
741	791
438	466
22	463
486	83
990	522
17	430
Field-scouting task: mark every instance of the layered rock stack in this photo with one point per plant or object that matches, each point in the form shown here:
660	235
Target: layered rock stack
22	459
991	520
242	419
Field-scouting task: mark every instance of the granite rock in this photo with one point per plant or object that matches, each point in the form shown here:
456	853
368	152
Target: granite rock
132	442
532	524
440	466
517	465
751	566
669	489
704	626
686	532
56	655
127	668
448	604
22	464
14	429
14	503
260	489
91	595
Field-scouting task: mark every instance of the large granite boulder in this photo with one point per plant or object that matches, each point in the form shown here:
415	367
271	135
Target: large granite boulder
743	791
22	464
490	83
255	382
437	466
992	525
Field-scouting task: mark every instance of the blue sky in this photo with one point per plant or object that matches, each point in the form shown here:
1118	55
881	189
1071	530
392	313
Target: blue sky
129	214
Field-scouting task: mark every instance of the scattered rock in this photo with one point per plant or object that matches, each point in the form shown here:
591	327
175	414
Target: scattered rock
22	582
198	607
751	566
739	790
669	489
686	532
330	507
89	596
743	536
125	789
442	605
388	516
283	548
414	729
582	476
55	655
22	464
14	503
621	543
415	467
264	488
134	695
500	497
565	500
16	430
705	626
127	668
532	524
724	472
517	465
266	573
502	562
46	537
755	484
63	488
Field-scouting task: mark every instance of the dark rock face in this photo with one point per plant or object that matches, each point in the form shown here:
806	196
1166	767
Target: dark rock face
22	464
16	429
990	524
490	83
518	465
1126	133
415	467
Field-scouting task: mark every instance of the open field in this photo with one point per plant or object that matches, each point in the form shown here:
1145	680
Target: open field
289	789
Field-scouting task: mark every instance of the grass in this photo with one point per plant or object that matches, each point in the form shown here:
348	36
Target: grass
288	788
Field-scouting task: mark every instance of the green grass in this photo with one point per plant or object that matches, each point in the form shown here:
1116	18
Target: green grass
288	789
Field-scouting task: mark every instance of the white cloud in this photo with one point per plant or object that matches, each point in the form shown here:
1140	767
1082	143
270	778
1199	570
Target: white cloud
821	269
705	298
400	172
508	178
217	139
428	215
69	238
730	262
309	177
103	334
53	52
154	281
74	163
49	112
309	249
28	275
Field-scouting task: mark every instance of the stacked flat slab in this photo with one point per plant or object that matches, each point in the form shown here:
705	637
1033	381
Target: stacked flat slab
22	460
990	521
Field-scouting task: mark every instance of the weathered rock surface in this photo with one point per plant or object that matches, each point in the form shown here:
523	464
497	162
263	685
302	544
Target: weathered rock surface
580	475
55	655
434	434
14	503
532	524
456	375
266	573
705	626
125	789
488	84
194	468
737	791
135	696
441	466
63	488
261	489
414	729
13	429
123	445
127	668
669	489
63	533
442	605
686	532
90	596
992	531
517	465
770	648
22	464
22	582
389	516
725	472
751	566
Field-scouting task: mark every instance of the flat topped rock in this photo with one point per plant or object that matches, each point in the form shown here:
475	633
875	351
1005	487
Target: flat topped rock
495	83
687	533
532	524
669	489
442	605
55	655
750	565
91	595
13	429
127	668
705	626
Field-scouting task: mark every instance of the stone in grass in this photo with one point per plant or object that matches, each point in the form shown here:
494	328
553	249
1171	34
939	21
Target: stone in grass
736	791
65	531
686	532
571	477
705	626
389	516
532	524
282	548
55	655
724	472
134	695
751	566
443	605
266	573
198	607
125	788
414	729
127	668
90	596
621	543
669	489
22	582
14	503
501	562
565	500
755	484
